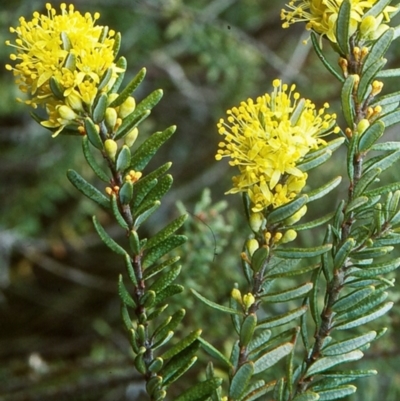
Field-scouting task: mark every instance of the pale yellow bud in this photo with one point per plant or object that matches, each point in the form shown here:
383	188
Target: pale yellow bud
74	101
66	113
127	107
130	138
297	216
362	126
248	300
368	25
111	148
111	97
236	295
278	236
256	221
252	245
289	236
110	118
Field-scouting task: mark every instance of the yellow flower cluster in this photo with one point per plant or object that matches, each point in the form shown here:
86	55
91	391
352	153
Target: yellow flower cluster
265	139
63	54
321	16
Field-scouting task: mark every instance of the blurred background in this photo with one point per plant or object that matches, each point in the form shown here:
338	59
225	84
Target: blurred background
60	331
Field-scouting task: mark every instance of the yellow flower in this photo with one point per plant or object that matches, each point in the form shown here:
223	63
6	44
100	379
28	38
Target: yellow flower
69	48
321	15
267	138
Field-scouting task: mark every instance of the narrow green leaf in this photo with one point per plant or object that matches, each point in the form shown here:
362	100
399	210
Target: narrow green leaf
131	121
145	214
116	212
126	193
283	212
259	341
124	294
368	77
129	269
247	329
355	203
390	118
166	279
117	43
107	239
378	49
347	97
343	28
352	149
291	273
325	62
212	351
282	319
182	344
342	347
259	258
147	150
374	314
99	109
377	269
168	292
295	253
316	161
370	136
93	134
338	392
352	299
313	297
371	253
240	380
92	161
162	248
365	181
272	357
87	189
313	223
123	159
343	253
214	305
184	367
307	396
287	295
159	190
57	88
105	79
390	73
136	81
328	362
121	63
383	162
200	391
377	8
324	189
257	390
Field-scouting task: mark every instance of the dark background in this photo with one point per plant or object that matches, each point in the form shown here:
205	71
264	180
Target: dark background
60	330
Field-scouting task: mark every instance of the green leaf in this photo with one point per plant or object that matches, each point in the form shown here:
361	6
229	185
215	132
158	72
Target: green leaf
200	391
382	162
129	269
214	305
145	214
370	136
212	351
105	79
124	294
166	279
126	193
167	292
121	63
87	189
365	181
117	43
377	8
316	161
378	49
57	88
93	134
240	380
259	258
342	347
259	342
356	202
374	314
182	344
148	149
283	212
159	190
307	396
99	109
92	161
258	389
107	239
295	253
367	78
291	273
313	223
282	319
338	392
352	299
162	248
326	363
156	269
390	119
390	73
324	189
123	159
374	270
184	367
116	212
343	253
247	329
287	295
131	121
271	357
371	253
343	28
325	62
352	149
347	96
136	81
170	324
313	297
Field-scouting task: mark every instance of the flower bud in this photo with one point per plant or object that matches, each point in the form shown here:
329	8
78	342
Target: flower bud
127	107
252	245
130	138
111	148
362	126
256	221
297	216
74	101
368	25
237	295
111	97
289	236
66	113
110	117
248	300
